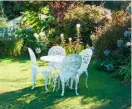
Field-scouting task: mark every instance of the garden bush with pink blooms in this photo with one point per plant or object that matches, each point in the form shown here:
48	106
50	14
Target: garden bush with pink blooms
89	16
113	46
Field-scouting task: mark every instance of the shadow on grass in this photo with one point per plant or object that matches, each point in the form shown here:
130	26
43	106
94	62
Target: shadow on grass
107	92
104	92
20	59
41	99
23	59
30	99
98	95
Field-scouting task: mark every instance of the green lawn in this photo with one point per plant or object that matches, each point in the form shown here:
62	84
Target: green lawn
104	92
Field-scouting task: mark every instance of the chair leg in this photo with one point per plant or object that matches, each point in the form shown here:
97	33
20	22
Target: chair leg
86	72
46	83
55	79
33	79
71	83
63	88
49	78
58	83
76	85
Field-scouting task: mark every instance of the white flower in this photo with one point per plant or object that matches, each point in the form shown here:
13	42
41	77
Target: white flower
128	44
70	39
36	35
78	25
42	16
24	18
38	50
92	35
16	35
62	35
42	34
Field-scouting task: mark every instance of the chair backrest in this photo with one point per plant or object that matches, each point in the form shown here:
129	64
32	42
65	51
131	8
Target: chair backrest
32	56
70	65
56	50
86	55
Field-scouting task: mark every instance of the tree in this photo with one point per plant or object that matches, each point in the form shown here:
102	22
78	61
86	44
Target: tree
3	22
60	7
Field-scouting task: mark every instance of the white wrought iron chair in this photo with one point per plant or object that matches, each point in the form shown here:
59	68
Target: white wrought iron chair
70	65
53	51
35	70
86	55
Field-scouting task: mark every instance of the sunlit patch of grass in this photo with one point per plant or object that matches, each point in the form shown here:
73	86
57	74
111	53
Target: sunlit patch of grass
104	92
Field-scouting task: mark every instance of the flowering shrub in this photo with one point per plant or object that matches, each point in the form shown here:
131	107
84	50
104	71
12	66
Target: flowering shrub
106	52
113	45
118	60
70	45
111	36
109	67
37	26
86	15
73	47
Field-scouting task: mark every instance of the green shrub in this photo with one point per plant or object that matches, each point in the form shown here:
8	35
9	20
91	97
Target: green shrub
107	38
125	71
36	27
73	47
86	15
113	46
3	23
11	47
10	44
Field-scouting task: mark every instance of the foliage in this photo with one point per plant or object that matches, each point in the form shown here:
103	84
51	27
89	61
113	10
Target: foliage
37	26
113	46
86	15
73	47
113	5
106	38
12	9
125	71
3	22
10	43
11	47
59	8
129	9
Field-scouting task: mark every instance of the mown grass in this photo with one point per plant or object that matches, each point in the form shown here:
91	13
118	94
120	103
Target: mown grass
104	92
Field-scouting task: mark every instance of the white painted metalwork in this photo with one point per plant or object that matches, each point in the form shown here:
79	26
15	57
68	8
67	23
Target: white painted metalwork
70	65
35	70
86	55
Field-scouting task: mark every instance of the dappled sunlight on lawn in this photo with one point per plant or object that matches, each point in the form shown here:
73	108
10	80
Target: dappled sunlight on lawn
39	98
78	102
15	90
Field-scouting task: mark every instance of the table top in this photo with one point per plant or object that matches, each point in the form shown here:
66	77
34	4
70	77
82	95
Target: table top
52	58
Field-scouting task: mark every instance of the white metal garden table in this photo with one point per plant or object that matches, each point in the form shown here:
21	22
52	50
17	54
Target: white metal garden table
55	59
